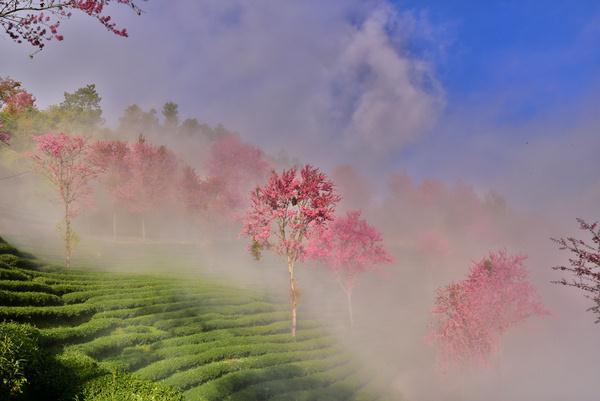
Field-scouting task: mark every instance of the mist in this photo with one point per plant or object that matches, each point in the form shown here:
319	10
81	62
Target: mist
360	89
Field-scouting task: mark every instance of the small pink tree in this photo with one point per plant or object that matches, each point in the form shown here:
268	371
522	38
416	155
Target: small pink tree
282	214
19	102
471	316
110	156
233	168
150	183
191	190
349	247
64	161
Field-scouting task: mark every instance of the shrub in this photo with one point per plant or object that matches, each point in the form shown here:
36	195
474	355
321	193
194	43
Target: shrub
9	273
47	315
24	286
10	298
120	386
19	358
8	249
16	261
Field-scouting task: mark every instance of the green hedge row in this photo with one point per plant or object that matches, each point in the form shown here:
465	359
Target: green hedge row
208	352
269	388
16	261
69	335
109	345
223	387
45	316
120	386
28	298
10	273
212	371
19	285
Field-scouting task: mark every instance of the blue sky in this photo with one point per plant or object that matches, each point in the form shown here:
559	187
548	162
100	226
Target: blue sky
550	50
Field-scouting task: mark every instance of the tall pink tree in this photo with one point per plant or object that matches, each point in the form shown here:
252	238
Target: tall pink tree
150	183
349	246
282	214
471	316
234	168
191	191
111	156
64	160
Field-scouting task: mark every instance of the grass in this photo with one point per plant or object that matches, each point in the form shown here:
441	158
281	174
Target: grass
206	340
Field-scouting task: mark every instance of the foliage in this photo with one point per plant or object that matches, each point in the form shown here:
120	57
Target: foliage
472	315
120	386
349	247
19	358
79	112
233	167
584	263
38	21
171	114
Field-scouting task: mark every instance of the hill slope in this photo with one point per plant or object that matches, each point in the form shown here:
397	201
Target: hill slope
207	340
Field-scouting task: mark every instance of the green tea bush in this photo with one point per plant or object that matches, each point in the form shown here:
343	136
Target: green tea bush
19	358
17	285
9	249
10	273
28	298
45	316
120	386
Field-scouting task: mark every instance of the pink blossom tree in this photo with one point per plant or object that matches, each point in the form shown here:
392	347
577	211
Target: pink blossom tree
38	21
349	246
192	192
19	102
150	182
233	168
110	156
471	316
282	214
64	161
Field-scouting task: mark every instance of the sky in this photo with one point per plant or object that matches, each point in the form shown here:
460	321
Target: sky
500	94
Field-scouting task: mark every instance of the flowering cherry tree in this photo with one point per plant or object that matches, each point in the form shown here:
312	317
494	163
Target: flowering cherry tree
38	21
282	214
233	168
150	183
64	161
584	263
472	315
349	247
191	190
110	156
19	102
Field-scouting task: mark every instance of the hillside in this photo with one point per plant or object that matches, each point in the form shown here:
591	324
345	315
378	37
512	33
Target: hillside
200	339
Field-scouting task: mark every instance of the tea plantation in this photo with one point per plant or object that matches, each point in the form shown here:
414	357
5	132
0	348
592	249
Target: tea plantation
82	335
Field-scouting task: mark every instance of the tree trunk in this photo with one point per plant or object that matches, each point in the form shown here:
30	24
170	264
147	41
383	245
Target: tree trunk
293	296
68	237
143	229
350	313
114	224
